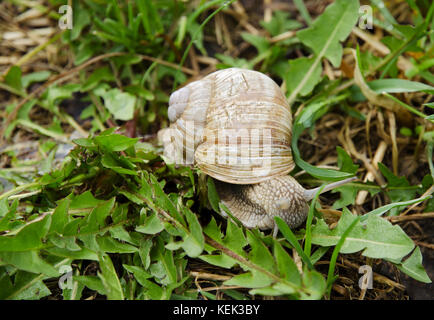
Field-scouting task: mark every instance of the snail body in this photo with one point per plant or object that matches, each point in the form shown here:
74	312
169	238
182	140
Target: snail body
235	125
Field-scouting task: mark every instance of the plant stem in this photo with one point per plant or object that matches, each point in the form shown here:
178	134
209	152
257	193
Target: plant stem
18	189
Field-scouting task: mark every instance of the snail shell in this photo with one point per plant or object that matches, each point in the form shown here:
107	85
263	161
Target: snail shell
240	123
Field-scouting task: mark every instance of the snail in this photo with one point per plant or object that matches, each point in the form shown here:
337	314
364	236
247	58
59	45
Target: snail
235	125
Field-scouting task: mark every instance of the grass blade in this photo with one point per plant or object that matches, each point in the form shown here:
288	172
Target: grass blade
330	277
289	235
308	235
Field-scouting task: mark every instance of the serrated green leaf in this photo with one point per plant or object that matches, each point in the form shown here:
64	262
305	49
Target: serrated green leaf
28	261
164	201
120	233
378	238
154	291
414	268
333	26
108	244
28	238
348	196
111	162
64	242
151	225
286	266
115	142
60	217
120	104
297	74
393	180
132	197
194	241
83	253
84	200
235	239
260	256
109	278
13	78
144	252
96	218
166	263
213	231
139	274
251	279
89	241
259	253
28	286
277	289
323	37
7	214
84	142
219	260
315	285
345	162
